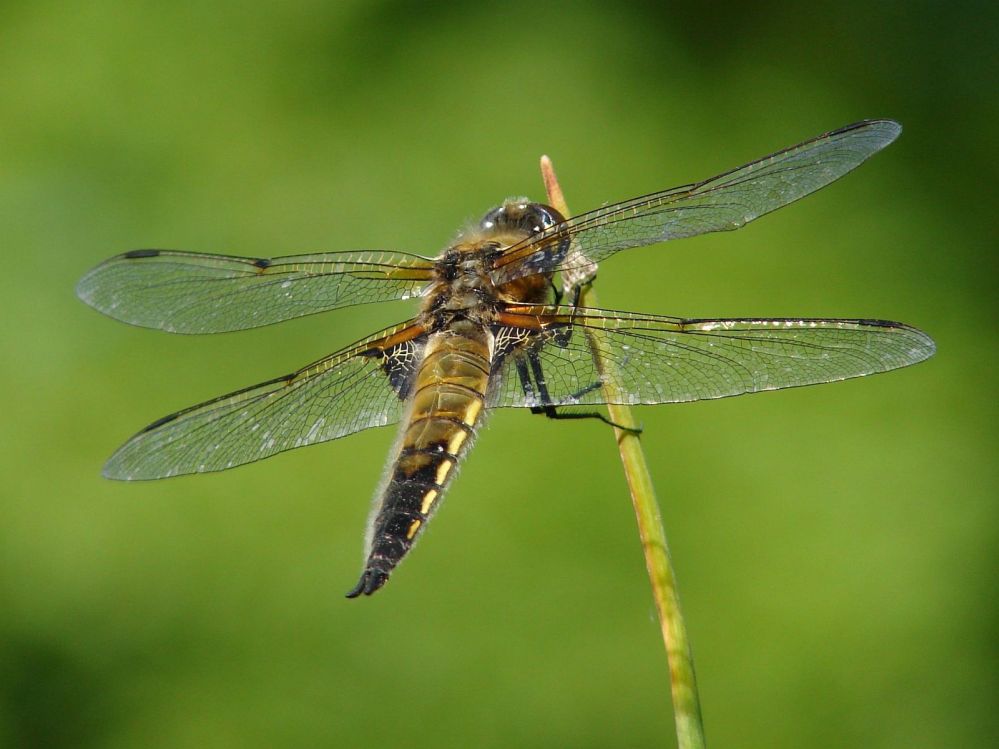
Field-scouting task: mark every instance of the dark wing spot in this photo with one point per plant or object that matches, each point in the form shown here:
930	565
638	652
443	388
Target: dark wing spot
879	323
262	263
132	254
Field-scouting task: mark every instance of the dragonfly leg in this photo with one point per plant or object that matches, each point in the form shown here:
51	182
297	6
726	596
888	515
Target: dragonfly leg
543	395
556	293
551	413
576	290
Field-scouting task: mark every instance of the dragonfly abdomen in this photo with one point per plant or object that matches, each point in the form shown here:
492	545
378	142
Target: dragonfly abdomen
447	403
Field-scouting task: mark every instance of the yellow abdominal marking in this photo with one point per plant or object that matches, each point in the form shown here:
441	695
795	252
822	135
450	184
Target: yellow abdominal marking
454	444
472	412
428	502
443	470
413	528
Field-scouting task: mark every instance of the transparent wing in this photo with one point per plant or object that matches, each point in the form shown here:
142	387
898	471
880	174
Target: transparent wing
591	356
187	292
359	387
720	203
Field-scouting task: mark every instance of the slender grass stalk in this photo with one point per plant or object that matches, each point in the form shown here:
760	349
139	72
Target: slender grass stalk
686	703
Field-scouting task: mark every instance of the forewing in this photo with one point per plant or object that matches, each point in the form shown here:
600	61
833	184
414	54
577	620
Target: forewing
359	387
720	203
187	292
591	356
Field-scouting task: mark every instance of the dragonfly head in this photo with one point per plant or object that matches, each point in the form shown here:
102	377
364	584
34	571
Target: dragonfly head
518	215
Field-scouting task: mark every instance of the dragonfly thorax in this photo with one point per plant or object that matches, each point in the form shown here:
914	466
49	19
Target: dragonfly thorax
464	272
462	281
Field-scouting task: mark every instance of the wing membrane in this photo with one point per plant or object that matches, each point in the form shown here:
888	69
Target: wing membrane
720	203
187	292
344	393
591	356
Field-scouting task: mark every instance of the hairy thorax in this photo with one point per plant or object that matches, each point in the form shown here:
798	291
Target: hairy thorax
463	288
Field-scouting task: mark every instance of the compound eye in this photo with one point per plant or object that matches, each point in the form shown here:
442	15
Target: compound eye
492	219
537	217
532	218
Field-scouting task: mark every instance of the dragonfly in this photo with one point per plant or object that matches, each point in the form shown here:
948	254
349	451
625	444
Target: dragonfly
494	330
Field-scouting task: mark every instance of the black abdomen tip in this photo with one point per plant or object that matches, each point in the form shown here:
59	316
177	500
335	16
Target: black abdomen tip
371	580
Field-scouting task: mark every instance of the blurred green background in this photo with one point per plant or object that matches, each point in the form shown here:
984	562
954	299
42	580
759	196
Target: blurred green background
836	546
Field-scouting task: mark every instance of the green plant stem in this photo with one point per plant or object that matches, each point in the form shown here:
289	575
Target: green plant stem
683	685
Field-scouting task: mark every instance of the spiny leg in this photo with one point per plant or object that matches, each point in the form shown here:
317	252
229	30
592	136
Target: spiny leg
543	395
557	293
576	290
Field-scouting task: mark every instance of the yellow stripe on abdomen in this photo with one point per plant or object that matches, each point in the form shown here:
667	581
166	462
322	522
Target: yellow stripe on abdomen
448	398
